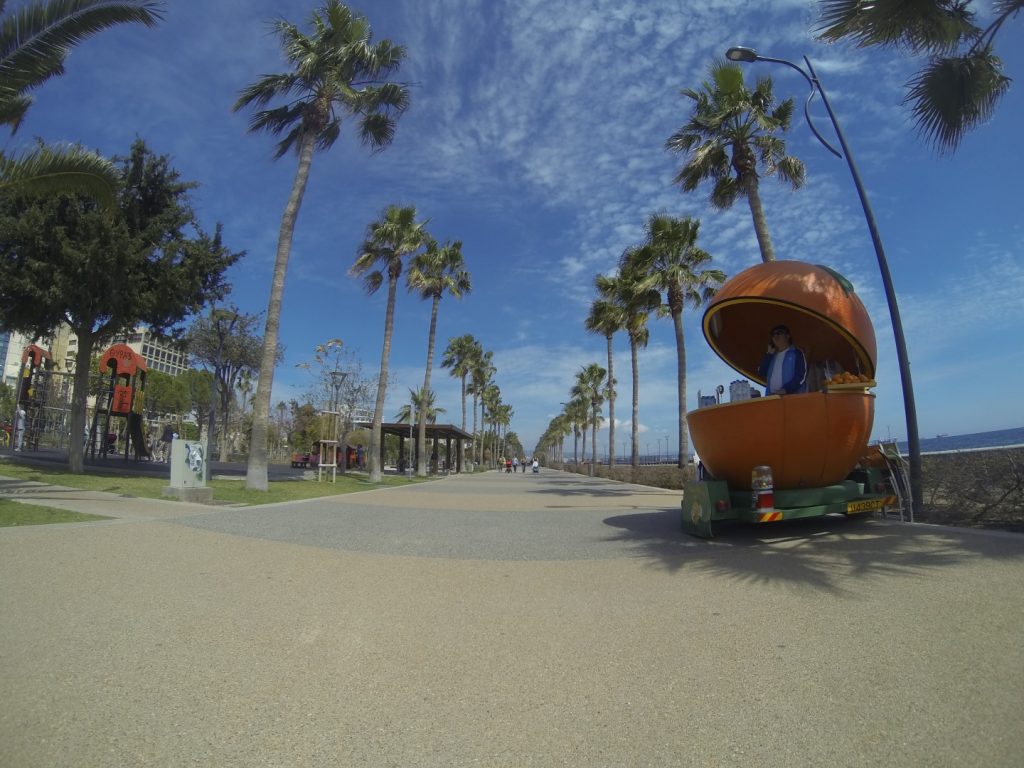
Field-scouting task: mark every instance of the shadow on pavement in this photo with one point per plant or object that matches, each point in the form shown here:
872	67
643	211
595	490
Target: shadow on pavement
576	485
811	552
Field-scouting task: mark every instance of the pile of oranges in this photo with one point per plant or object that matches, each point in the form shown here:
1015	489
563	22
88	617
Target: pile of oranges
850	378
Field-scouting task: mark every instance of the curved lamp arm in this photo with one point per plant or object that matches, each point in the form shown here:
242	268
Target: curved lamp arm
740	53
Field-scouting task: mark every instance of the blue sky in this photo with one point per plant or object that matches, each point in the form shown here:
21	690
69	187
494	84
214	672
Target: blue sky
536	137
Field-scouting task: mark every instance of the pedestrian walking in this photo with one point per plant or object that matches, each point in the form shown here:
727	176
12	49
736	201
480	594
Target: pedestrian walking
166	437
20	424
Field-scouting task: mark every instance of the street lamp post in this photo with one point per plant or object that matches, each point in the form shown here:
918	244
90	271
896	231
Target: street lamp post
337	380
913	441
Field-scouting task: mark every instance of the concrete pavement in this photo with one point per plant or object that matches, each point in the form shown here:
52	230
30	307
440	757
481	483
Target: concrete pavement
502	620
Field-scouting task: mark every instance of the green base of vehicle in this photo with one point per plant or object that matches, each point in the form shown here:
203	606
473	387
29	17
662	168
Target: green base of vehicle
706	502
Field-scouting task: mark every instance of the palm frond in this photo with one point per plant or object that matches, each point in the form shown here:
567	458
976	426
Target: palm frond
376	130
920	25
51	169
38	36
13	108
950	96
268	87
724	192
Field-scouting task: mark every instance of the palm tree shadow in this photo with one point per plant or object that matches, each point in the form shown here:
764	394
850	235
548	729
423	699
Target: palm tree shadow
817	552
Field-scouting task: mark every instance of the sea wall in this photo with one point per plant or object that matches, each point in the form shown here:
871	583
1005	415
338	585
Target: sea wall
975	488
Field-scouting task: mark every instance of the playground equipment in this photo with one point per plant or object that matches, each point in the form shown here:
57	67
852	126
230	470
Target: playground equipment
33	388
125	396
777	458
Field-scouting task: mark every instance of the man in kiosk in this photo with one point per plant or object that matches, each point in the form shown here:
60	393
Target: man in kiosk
783	366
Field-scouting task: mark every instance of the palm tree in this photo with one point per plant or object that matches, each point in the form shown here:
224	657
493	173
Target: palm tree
480	377
952	94
436	271
577	416
671	262
637	302
428	410
336	72
502	418
588	389
394	237
490	399
459	356
730	140
607	319
35	41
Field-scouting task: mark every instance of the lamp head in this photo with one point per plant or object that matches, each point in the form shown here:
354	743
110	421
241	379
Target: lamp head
741	53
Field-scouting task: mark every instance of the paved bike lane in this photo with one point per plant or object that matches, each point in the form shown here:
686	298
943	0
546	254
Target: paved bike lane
497	620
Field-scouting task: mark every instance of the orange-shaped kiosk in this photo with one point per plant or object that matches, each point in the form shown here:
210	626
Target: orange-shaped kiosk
809	440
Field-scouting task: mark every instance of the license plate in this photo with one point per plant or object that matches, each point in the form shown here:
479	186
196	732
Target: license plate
868	505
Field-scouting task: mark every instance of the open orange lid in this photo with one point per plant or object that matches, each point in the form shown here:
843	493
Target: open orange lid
825	317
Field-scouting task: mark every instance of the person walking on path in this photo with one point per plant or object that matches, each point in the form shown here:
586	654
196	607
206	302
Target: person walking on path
166	437
20	424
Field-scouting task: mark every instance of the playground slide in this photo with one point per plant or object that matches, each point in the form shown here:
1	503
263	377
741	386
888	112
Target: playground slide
138	440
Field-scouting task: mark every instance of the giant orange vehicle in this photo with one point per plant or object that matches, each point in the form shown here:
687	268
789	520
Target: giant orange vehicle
781	457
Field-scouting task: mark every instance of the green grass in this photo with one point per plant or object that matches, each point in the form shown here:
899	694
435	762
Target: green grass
15	513
224	491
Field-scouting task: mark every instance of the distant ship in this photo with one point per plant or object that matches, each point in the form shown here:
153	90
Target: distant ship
944	434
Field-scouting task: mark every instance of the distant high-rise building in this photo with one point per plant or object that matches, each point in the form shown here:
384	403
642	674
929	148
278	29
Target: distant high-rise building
740	390
164	355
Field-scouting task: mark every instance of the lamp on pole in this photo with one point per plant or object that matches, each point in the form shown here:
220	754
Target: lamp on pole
337	380
743	54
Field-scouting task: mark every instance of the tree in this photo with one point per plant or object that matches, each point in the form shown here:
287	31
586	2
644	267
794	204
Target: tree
225	342
577	416
62	260
166	394
670	263
336	72
481	372
502	420
35	41
339	383
607	319
730	140
490	399
960	86
626	290
395	236
199	385
434	272
588	389
428	410
459	356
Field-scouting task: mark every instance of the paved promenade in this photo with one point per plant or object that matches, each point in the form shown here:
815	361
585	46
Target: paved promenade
500	620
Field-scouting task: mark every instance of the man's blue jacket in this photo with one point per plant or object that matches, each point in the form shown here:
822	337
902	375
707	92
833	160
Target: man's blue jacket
794	371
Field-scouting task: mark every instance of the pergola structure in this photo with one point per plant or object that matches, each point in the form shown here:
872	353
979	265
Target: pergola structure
439	433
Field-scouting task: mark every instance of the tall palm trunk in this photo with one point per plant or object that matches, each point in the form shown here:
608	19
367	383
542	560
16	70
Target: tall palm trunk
483	429
635	460
463	401
476	439
382	380
611	406
421	437
256	472
684	445
764	240
593	444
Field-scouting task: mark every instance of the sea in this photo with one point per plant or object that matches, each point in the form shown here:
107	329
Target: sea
1000	438
977	441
